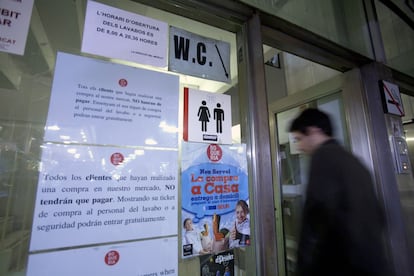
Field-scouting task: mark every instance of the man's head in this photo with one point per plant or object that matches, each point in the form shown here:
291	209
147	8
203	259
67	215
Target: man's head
310	129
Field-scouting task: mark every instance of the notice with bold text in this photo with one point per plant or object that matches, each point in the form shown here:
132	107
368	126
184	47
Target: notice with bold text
103	194
14	25
107	186
98	102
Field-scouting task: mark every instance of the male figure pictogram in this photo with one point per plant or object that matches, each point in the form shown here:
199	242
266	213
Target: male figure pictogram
219	117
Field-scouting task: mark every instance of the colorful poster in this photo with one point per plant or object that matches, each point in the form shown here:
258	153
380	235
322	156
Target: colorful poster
116	33
215	198
221	264
91	194
14	25
150	257
207	117
97	102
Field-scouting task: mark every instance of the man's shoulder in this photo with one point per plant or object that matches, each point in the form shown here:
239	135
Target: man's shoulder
338	155
335	151
331	147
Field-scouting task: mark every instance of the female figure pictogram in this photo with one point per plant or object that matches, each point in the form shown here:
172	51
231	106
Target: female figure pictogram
203	116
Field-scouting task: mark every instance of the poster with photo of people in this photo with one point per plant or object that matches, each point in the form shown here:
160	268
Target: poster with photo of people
215	199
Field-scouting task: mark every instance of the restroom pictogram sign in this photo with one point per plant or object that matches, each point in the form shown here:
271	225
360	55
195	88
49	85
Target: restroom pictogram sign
207	117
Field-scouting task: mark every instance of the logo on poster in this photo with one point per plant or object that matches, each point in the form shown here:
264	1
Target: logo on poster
123	82
214	152
224	259
117	158
112	257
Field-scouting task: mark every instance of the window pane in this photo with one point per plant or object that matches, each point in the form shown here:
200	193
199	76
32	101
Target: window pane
398	39
25	90
342	22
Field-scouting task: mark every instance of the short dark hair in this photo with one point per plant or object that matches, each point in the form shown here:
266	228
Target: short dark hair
312	117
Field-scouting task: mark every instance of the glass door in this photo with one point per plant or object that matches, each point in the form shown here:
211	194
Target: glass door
292	84
293	168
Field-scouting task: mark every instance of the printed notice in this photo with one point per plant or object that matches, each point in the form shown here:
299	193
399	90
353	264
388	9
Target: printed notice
14	25
90	195
116	33
157	257
98	102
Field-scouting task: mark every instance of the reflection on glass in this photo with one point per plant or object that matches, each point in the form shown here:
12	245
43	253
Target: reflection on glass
294	170
150	142
168	128
72	150
54	127
139	152
342	22
398	39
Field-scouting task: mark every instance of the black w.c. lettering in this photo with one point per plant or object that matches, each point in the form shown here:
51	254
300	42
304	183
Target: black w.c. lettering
181	47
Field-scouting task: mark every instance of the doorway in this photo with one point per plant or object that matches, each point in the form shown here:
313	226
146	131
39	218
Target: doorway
294	83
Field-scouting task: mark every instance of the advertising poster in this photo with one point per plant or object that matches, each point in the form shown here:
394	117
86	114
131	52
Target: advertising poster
150	257
91	194
215	198
14	25
116	33
98	102
221	264
207	117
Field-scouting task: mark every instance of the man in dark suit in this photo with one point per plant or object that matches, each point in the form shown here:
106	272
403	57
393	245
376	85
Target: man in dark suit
342	230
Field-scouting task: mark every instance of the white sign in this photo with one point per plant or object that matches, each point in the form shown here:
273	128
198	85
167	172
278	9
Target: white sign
14	25
199	56
97	102
90	195
151	257
207	117
116	33
392	99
